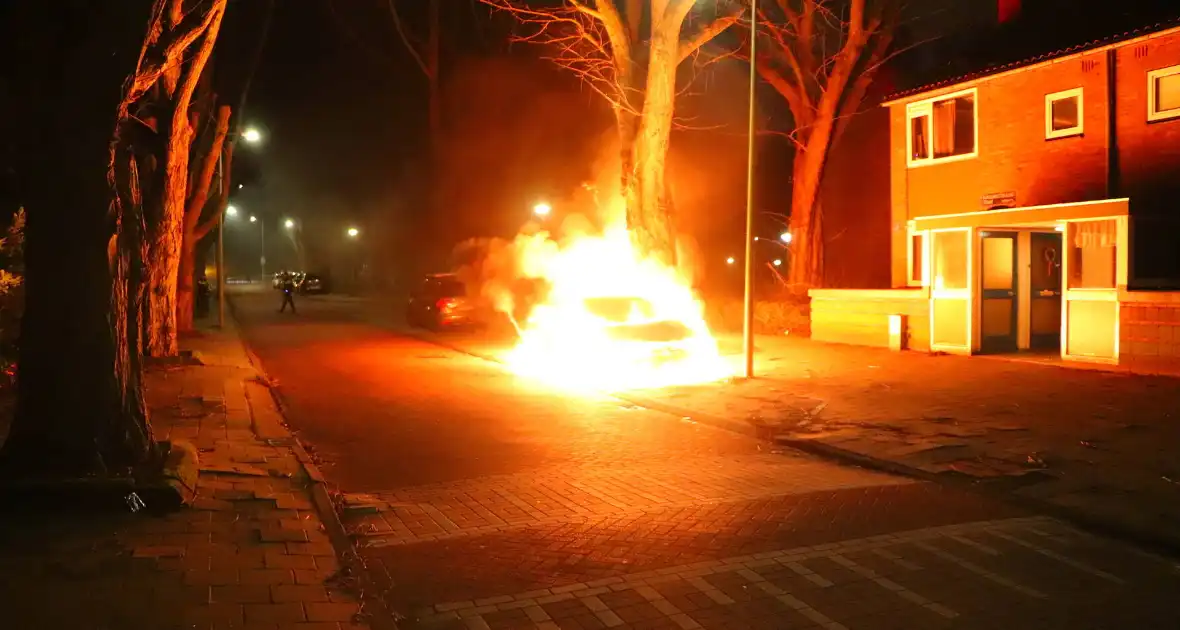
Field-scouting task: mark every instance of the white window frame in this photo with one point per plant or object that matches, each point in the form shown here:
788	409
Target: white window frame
1153	77
1077	130
924	276
926	108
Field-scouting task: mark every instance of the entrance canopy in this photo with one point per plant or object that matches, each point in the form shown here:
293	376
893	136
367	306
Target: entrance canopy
1031	216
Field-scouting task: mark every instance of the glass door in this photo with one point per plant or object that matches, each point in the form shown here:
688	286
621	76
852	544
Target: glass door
998	292
950	291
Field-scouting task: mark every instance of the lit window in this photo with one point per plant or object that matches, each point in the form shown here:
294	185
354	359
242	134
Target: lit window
942	128
1163	93
917	259
1063	114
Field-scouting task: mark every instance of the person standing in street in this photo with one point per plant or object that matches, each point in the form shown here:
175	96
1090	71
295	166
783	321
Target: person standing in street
288	288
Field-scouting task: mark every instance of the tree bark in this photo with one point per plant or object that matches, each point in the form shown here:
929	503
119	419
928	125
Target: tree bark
194	210
166	232
650	214
80	409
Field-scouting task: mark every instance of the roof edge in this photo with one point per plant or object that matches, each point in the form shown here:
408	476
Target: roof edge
1128	38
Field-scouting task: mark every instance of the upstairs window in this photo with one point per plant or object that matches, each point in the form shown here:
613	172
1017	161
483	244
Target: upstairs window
942	129
1163	93
1063	114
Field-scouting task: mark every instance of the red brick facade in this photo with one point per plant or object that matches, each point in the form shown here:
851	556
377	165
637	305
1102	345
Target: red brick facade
1016	160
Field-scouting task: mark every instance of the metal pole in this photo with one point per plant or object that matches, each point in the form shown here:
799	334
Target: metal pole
262	232
221	245
748	324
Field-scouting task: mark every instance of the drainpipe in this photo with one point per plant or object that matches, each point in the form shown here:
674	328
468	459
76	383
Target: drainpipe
1113	169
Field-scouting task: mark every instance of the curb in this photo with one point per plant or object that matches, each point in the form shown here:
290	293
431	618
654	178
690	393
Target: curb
1141	537
382	618
1161	544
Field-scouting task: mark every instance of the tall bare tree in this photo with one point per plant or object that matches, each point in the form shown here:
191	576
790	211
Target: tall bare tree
221	126
167	106
87	67
629	52
820	56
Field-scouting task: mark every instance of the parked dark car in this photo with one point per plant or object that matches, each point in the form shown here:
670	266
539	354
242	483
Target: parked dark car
440	301
313	283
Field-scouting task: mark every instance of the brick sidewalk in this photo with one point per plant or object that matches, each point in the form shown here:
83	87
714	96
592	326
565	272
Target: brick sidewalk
1100	444
251	553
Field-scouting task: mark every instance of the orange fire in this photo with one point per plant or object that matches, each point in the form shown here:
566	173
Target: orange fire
612	319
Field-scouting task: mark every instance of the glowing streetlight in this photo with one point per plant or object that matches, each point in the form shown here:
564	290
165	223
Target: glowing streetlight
729	261
252	135
542	209
785	237
231	211
289	224
253	219
353	232
778	262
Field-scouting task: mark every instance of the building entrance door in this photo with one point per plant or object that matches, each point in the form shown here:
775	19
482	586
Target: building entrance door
999	295
1045	291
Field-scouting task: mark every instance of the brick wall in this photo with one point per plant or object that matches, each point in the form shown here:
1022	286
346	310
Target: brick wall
862	317
1149	333
1013	154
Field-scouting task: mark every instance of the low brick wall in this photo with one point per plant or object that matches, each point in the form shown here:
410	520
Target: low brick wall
1149	331
861	317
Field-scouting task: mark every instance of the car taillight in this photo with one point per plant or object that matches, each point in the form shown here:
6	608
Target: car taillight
444	305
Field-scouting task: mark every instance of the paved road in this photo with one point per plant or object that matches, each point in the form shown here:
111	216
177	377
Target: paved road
481	500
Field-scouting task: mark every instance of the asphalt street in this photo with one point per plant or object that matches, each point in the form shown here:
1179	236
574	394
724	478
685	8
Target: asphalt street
484	500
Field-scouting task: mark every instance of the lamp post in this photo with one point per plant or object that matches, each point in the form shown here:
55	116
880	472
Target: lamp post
748	320
262	246
251	136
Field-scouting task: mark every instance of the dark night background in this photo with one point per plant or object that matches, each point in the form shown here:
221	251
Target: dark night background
344	111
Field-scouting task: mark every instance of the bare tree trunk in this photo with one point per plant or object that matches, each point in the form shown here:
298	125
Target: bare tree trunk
80	409
166	232
650	217
195	208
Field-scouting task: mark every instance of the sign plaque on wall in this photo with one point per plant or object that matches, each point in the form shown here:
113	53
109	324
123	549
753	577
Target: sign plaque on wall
1001	199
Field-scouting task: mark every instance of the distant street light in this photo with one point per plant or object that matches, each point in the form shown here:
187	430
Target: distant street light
785	237
778	262
252	135
289	223
353	232
231	211
253	219
729	261
542	209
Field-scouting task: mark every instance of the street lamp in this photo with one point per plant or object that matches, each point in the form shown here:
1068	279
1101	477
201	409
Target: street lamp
353	232
253	219
729	261
785	237
748	301
778	262
251	136
542	209
289	224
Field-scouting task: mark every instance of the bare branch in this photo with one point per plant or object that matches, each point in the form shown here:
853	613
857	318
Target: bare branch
199	187
411	47
708	32
163	51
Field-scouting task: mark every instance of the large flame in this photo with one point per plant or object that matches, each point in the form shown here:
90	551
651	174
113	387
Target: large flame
613	318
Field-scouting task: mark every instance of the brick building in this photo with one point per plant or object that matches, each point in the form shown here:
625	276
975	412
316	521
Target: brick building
1034	206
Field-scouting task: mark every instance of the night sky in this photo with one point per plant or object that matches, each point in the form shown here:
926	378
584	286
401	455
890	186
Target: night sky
343	107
